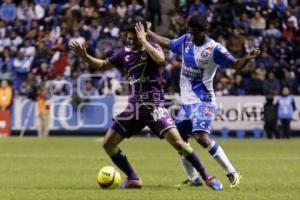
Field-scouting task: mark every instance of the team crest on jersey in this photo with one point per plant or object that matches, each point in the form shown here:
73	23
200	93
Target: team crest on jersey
208	112
204	54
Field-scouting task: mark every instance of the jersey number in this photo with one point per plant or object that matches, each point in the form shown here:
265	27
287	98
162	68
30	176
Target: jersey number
159	113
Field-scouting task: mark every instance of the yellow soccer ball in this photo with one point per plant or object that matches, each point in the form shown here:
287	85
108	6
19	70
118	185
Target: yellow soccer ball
109	178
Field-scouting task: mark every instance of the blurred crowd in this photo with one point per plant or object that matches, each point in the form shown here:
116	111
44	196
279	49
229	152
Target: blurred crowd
241	25
34	38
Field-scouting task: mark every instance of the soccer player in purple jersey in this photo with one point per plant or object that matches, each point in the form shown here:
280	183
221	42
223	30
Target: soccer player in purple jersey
201	56
141	60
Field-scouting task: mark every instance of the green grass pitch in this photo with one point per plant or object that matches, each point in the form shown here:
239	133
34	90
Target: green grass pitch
66	167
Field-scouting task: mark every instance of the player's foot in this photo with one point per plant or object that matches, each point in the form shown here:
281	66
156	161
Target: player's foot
234	179
196	182
214	183
131	184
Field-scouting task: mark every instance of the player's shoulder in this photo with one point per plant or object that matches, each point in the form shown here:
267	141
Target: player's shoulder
117	55
218	44
185	37
211	42
121	50
218	47
125	49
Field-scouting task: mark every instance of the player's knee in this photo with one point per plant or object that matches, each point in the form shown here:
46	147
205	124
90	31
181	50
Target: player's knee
178	144
203	139
106	144
185	149
203	143
111	151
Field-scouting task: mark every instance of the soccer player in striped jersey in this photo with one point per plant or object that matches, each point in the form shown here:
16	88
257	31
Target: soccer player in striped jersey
201	56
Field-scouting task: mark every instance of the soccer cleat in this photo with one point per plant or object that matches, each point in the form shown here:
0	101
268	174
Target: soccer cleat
214	183
234	179
131	184
196	183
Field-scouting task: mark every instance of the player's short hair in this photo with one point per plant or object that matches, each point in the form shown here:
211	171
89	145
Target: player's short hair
131	27
198	22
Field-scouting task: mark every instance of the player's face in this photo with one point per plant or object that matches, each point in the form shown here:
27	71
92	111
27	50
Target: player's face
198	35
133	41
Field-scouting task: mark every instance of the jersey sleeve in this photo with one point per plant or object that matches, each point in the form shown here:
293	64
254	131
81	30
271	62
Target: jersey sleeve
222	56
157	47
117	58
176	44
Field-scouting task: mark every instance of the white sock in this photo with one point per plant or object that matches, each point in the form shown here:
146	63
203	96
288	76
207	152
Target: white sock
188	168
219	155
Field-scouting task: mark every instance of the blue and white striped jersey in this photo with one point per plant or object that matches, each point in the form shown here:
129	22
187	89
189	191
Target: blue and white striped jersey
199	65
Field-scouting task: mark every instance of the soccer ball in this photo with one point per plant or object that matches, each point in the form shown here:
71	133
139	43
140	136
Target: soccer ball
109	178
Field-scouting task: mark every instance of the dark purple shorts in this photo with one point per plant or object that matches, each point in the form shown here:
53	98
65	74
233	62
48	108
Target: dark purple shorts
136	117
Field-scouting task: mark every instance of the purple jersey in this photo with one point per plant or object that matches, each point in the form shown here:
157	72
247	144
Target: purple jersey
143	74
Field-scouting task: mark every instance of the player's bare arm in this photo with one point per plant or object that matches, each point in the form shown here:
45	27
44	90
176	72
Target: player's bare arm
162	41
95	63
155	54
241	62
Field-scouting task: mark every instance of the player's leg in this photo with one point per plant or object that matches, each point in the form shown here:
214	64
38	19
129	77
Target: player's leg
201	117
162	124
110	145
193	178
124	126
216	151
173	137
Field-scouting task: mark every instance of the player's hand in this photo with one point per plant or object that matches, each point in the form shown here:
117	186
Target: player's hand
78	49
254	53
140	32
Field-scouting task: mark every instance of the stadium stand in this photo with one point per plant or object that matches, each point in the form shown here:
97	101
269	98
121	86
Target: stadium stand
34	38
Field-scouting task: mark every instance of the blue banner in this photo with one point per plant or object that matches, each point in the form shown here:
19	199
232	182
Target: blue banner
90	115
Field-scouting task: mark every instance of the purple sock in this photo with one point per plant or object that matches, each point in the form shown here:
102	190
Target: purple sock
195	160
121	161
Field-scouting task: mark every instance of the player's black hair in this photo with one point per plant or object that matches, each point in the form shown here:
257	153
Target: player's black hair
198	22
131	27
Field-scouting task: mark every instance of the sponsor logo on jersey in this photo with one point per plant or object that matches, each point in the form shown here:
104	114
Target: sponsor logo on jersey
191	72
133	80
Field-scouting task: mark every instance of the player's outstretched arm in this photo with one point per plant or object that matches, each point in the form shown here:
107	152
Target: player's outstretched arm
157	55
95	63
162	41
241	62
